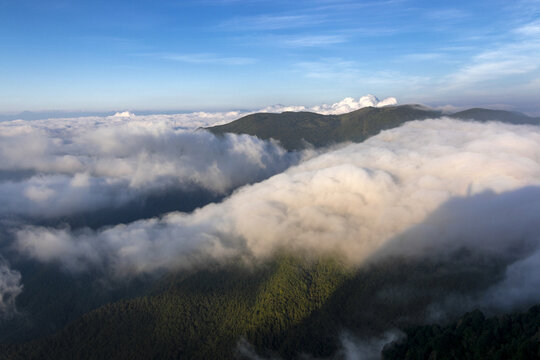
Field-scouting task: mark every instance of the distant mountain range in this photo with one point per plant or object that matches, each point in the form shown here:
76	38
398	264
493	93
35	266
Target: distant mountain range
297	130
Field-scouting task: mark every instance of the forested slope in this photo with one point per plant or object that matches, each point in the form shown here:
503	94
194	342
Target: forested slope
296	130
287	306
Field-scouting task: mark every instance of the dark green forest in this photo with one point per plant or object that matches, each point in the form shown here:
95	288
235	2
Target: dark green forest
297	130
284	307
473	336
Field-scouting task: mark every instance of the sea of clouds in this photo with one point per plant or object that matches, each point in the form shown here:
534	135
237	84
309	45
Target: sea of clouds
53	167
422	190
425	190
59	167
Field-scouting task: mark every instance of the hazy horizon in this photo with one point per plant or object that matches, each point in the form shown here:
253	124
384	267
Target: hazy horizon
54	114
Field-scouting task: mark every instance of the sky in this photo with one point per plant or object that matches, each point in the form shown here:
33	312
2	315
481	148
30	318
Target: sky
166	55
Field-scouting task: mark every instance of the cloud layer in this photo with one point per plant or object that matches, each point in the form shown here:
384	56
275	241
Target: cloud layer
69	165
422	190
84	164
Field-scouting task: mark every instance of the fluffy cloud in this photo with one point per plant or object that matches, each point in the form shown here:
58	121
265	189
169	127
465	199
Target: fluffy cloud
344	106
500	69
69	165
84	164
424	189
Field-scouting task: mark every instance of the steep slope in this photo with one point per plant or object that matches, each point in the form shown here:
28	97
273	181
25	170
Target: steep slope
197	316
295	130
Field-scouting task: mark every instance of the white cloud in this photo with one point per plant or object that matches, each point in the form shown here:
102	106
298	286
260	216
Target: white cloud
350	104
422	56
88	163
447	15
531	29
516	57
330	68
208	58
424	189
123	114
311	40
271	22
344	106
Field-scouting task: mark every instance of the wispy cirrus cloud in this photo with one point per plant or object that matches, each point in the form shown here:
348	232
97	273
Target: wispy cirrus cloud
271	22
531	29
517	56
328	68
210	58
201	58
426	56
349	71
523	9
484	70
310	40
447	14
295	41
337	6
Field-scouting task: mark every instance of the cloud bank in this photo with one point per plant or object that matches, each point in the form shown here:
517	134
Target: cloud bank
68	165
73	165
425	189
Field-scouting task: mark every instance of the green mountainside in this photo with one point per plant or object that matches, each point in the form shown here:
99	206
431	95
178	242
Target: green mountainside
295	130
285	307
198	315
480	114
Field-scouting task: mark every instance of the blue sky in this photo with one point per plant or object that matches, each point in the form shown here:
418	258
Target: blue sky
233	54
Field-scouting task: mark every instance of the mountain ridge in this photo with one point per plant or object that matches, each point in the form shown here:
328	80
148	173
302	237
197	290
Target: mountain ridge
298	130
